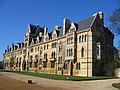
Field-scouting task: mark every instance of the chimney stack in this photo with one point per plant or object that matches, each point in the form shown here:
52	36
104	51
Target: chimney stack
45	30
66	25
101	14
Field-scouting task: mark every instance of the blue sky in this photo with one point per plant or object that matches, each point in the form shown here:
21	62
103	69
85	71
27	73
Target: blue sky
16	14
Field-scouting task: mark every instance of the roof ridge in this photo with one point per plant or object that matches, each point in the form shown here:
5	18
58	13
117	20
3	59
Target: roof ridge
84	19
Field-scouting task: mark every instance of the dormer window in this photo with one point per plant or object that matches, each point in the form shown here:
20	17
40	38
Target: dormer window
72	30
72	27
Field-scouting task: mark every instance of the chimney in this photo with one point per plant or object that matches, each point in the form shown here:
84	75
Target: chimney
13	46
29	28
66	25
7	47
45	30
101	14
38	39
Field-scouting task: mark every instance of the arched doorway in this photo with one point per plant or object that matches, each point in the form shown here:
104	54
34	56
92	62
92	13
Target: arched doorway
24	65
71	68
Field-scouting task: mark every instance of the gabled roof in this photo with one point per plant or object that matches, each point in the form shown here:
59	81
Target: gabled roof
33	28
106	30
85	24
60	30
36	29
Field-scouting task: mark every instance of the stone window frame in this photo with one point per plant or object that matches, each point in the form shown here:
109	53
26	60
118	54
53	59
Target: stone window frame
70	52
82	38
52	64
82	52
65	66
78	66
59	60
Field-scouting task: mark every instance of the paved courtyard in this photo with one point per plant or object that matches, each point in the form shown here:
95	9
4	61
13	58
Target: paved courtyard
48	84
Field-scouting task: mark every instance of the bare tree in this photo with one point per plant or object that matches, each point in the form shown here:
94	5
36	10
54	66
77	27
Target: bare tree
115	21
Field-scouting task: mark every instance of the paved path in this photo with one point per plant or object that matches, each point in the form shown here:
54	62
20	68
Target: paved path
67	85
7	83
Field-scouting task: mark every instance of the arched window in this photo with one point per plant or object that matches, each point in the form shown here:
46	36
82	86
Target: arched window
67	41
66	66
85	38
30	61
82	52
41	50
82	38
17	60
36	61
79	39
79	66
36	56
71	52
45	56
76	66
98	50
44	47
47	46
67	52
20	60
54	55
38	48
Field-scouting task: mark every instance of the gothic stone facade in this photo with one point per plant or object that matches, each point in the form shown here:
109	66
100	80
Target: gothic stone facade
81	48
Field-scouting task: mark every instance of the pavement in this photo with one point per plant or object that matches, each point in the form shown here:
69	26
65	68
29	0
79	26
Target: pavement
65	85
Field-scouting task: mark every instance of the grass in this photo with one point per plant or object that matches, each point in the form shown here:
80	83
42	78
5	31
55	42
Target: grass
59	77
116	85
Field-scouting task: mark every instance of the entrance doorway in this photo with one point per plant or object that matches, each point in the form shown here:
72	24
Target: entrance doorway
24	65
71	68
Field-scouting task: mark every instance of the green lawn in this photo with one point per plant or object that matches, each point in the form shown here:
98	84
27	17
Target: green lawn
116	85
59	77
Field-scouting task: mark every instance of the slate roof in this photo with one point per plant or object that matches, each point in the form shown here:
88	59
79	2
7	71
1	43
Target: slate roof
80	25
85	24
106	30
60	32
36	29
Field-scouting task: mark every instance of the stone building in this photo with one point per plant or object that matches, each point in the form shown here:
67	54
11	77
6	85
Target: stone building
81	48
